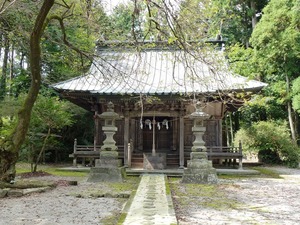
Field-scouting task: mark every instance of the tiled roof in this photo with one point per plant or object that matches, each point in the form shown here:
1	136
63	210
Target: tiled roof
158	71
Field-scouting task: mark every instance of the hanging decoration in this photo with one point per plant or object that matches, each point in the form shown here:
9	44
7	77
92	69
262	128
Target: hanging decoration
158	125
150	124
166	123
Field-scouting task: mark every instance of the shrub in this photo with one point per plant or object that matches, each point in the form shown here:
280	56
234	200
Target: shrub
271	141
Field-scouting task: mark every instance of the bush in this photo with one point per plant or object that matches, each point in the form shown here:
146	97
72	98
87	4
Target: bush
271	141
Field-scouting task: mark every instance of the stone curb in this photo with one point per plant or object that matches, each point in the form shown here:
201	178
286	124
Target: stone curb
7	192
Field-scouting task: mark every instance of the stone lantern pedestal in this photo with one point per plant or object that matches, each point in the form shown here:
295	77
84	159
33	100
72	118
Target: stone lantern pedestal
108	167
199	168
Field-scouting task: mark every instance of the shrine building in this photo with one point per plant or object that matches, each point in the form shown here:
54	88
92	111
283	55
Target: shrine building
154	88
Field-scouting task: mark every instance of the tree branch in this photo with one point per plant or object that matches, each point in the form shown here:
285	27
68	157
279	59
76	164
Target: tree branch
3	8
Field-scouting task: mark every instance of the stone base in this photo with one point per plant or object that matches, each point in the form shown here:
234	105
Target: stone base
106	174
108	159
155	162
108	163
199	170
201	176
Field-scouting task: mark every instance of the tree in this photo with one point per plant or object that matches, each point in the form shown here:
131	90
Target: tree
235	19
271	141
276	45
49	115
120	23
10	146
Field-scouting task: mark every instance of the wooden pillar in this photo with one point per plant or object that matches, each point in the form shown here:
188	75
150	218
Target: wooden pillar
126	140
181	142
139	136
174	134
97	130
132	140
220	133
74	155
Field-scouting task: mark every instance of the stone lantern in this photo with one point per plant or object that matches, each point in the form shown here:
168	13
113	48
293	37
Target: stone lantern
108	167
199	169
109	128
199	129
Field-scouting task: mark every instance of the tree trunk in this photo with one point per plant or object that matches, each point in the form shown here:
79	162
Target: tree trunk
290	114
9	148
4	68
253	9
11	69
291	122
42	150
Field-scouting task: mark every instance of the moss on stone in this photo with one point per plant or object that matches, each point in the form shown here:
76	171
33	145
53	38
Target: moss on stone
111	219
24	184
204	195
265	172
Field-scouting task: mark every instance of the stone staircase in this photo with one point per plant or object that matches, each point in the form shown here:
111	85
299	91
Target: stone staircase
137	160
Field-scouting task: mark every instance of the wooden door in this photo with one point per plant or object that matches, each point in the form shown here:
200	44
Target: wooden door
163	134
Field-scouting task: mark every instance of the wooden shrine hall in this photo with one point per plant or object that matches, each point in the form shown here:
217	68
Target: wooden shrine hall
154	91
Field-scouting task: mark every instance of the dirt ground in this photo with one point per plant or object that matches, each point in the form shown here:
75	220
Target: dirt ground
246	201
242	201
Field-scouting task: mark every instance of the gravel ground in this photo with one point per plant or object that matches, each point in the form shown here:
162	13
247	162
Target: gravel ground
242	201
60	206
247	201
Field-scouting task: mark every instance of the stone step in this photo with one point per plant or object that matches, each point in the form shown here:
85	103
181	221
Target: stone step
151	203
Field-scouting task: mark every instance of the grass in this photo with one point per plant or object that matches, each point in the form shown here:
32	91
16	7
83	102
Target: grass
51	169
264	173
267	173
112	219
130	183
119	190
213	196
204	195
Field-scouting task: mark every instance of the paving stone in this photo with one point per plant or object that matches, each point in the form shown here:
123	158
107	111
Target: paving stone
151	205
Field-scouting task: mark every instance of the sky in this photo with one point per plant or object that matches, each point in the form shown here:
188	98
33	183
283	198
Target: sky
110	4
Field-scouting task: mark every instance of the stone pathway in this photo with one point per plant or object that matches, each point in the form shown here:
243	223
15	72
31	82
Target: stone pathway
151	204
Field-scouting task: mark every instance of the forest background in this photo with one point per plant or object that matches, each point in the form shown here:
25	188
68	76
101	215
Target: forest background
44	42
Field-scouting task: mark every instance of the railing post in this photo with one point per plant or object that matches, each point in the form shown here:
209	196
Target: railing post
240	147
74	153
241	156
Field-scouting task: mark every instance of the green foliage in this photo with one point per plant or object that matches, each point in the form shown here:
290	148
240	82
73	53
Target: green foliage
262	108
50	112
9	107
233	18
48	117
296	94
121	22
276	39
62	60
271	141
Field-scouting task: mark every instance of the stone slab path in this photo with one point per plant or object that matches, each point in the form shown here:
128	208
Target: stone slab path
151	204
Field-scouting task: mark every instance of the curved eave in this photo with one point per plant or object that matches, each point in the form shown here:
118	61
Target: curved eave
66	92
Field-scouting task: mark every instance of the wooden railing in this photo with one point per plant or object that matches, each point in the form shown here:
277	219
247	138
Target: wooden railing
229	154
90	152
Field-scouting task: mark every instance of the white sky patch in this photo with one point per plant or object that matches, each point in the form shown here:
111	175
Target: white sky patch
109	5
